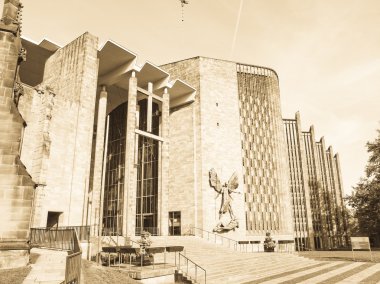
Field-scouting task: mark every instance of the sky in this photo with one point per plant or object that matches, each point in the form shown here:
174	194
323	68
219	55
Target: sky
326	52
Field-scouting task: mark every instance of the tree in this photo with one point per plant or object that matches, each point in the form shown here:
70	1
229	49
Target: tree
365	198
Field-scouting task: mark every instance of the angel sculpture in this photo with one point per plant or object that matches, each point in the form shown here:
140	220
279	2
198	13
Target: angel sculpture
225	190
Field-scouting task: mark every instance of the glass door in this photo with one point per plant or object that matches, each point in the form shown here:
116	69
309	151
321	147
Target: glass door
175	223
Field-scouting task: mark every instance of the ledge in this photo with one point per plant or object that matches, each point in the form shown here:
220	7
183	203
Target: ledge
9	245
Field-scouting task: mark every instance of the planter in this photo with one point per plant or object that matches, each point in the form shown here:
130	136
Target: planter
269	249
146	260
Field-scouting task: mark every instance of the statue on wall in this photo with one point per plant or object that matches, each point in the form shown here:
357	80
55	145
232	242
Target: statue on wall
225	190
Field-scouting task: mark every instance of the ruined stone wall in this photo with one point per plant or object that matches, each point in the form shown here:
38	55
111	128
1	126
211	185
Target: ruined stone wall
16	185
26	111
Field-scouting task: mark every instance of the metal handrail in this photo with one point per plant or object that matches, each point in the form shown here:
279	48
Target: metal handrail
83	232
235	242
195	277
74	262
65	239
62	239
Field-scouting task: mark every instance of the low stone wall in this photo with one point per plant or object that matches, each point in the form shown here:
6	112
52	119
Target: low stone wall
14	254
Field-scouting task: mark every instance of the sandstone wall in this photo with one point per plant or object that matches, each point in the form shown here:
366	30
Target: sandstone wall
216	139
16	185
221	145
68	95
181	166
184	174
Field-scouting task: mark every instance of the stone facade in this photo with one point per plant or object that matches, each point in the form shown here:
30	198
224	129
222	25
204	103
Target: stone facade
60	122
315	182
264	159
185	138
182	180
220	118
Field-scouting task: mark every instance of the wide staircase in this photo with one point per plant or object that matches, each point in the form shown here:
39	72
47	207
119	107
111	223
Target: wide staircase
225	265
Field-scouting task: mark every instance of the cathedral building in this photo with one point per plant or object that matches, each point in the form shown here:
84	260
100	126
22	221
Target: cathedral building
89	137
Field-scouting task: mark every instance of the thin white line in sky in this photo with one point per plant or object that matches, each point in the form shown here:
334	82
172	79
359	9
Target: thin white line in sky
236	28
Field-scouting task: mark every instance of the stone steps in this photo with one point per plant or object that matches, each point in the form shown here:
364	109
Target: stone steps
225	265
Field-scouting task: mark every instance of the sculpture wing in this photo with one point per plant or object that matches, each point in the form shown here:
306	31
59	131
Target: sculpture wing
215	181
233	183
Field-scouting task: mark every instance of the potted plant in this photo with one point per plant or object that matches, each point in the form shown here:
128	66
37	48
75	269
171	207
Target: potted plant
269	243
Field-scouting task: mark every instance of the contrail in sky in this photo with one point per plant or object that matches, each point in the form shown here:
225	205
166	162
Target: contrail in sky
236	28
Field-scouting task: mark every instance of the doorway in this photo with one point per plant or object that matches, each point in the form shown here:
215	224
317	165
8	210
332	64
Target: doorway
53	219
175	223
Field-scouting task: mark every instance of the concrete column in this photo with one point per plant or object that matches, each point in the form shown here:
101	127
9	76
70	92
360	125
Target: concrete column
164	222
149	108
96	209
130	177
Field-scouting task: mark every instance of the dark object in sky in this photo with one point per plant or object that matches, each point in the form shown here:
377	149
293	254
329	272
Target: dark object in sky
184	2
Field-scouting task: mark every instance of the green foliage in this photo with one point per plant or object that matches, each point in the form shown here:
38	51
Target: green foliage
373	166
365	199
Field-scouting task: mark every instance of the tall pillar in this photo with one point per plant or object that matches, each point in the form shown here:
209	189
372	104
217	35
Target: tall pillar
149	108
130	177
96	206
164	222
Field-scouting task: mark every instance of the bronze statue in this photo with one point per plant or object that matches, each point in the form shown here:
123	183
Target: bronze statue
225	190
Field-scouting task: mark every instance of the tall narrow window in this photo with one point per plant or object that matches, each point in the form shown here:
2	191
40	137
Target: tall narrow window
147	174
114	180
175	223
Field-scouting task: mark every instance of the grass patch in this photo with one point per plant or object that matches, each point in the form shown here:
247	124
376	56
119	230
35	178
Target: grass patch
342	255
14	275
93	273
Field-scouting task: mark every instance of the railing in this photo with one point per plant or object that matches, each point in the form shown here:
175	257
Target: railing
62	239
191	270
73	268
83	232
215	237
